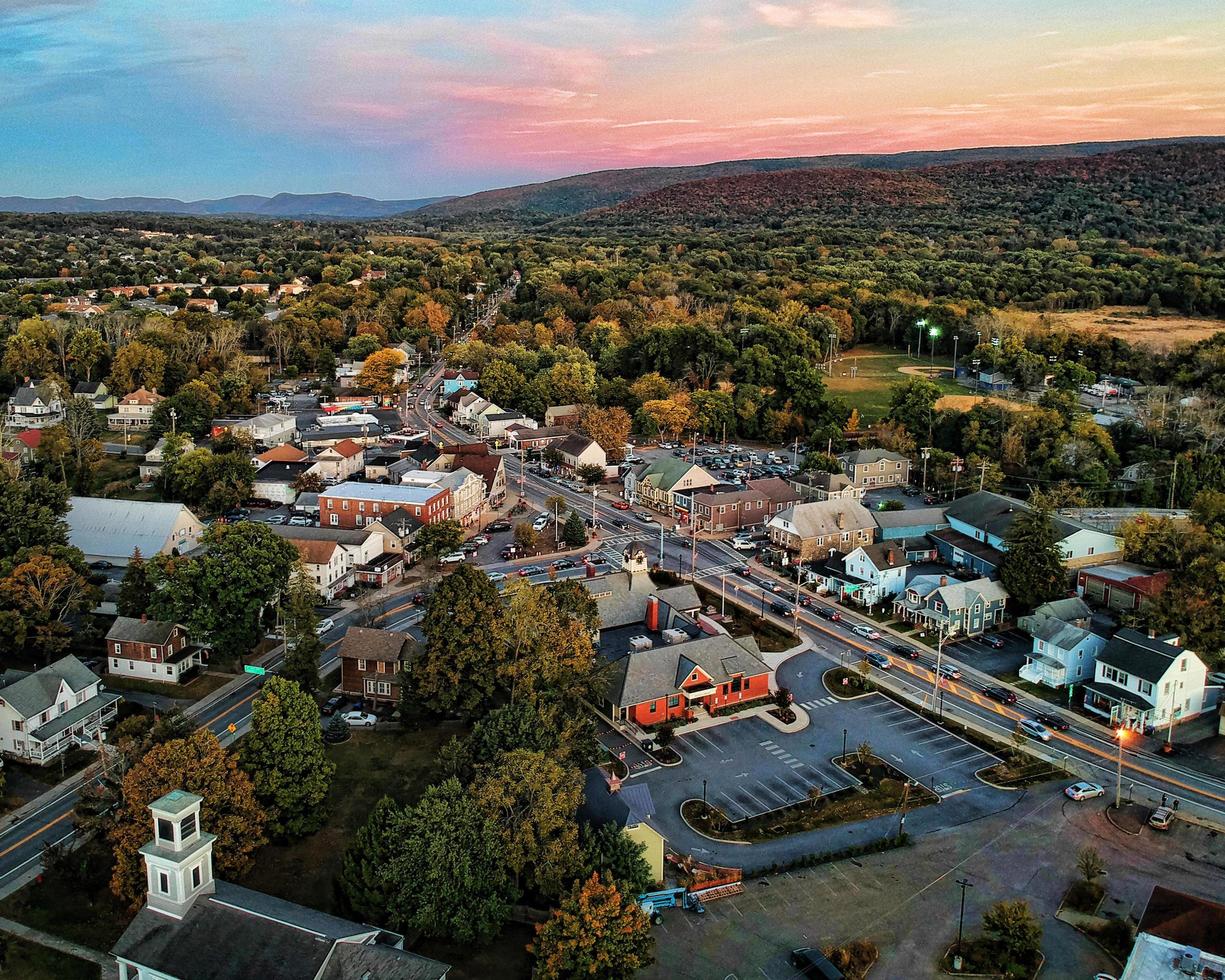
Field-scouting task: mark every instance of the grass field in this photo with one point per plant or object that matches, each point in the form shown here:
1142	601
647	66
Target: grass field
33	962
203	685
863	375
1134	325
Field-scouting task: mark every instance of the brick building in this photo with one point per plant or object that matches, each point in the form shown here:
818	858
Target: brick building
151	649
371	662
351	505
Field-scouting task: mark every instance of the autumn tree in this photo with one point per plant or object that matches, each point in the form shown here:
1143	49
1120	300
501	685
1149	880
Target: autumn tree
597	932
283	753
86	350
44	591
1014	932
610	427
378	373
197	764
137	365
671	416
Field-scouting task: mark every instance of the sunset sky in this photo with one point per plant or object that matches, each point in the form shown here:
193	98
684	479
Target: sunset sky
407	98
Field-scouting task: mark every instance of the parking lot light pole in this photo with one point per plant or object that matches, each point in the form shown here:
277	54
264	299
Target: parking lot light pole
961	918
703	790
844	744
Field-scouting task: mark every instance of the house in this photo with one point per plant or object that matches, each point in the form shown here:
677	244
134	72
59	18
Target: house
875	468
456	381
466	488
194	926
566	416
468	409
324	436
978	529
622	598
1144	681
275	481
398	530
288	289
911	524
1122	586
44	714
286	452
579	450
268	429
360	556
656	484
203	304
371	662
880	567
955	608
818	528
475	456
97	392
152	649
151	465
351	505
528	438
323	562
492	426
35	405
628	806
816	485
731	508
110	530
1064	648
341	461
135	409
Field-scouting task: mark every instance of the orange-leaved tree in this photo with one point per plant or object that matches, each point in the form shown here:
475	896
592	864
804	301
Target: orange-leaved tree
597	932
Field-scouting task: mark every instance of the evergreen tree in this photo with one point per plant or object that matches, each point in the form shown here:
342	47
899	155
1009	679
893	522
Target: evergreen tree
304	645
608	850
135	591
284	755
361	882
1032	569
458	670
574	532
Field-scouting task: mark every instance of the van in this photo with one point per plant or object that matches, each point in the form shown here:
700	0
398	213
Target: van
325	626
742	542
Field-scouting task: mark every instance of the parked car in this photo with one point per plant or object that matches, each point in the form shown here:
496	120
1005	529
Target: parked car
540	523
531	570
643	516
454	558
359	719
332	705
1053	722
1083	791
744	571
810	962
325	626
903	650
996	642
743	543
621	505
878	660
563	563
831	614
480	539
277	519
101	565
1000	694
1034	729
299	520
863	629
496	526
1161	818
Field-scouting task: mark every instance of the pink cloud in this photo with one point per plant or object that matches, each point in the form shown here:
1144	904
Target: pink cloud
837	14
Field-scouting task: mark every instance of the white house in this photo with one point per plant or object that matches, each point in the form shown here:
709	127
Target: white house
1146	681
35	406
339	462
334	558
275	481
46	713
579	450
268	429
324	564
154	459
135	409
881	567
1064	648
107	529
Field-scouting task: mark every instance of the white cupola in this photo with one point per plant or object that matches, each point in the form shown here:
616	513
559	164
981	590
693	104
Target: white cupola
179	859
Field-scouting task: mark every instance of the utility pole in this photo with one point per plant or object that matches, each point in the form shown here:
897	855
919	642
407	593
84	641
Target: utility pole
1173	483
982	474
901	824
693	548
723	603
1118	784
927	451
661	546
964	883
795	619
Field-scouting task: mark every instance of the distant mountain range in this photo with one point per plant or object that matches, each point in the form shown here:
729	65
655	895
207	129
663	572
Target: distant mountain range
280	206
605	188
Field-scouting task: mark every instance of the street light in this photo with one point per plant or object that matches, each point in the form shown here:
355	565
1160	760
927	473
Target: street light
1122	736
961	918
844	745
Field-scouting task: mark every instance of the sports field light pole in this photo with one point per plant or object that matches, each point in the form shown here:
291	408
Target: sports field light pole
933	335
920	325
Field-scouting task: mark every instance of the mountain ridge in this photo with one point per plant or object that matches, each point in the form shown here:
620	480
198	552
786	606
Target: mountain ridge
284	205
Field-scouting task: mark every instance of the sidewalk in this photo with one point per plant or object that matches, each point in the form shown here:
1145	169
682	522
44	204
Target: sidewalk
106	964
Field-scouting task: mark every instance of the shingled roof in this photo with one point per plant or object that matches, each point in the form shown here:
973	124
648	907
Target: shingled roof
130	629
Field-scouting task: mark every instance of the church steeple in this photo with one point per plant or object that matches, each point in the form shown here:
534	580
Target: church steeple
179	859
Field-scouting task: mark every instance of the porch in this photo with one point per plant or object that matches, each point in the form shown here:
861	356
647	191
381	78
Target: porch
1044	670
85	721
1120	707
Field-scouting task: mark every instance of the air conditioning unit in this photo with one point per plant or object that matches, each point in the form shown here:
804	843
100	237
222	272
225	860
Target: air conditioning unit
1189	962
674	636
641	643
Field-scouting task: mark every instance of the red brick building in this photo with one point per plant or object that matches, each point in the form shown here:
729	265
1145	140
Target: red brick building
351	504
152	650
371	662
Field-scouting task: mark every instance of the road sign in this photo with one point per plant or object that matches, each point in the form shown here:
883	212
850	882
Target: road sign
231	728
252	669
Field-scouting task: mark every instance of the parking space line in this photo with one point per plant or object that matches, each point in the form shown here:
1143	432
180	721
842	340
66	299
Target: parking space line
844	877
778	796
689	745
712	744
952	748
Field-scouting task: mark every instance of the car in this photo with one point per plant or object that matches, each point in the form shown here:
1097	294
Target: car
359	719
744	571
1027	726
863	629
480	539
1161	818
743	544
621	505
810	962
782	608
1053	722
277	519
563	563
531	570
904	650
332	705
496	577
419	598
325	626
540	523
101	565
911	491
299	520
1084	791
497	526
454	558
1000	694
644	517
950	672
831	614
878	660
996	642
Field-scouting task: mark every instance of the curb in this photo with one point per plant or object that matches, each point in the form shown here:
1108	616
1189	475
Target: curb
716	840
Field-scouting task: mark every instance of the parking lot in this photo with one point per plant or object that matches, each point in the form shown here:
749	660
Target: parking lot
998	663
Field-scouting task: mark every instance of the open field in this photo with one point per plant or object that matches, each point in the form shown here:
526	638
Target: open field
863	375
963	403
1134	325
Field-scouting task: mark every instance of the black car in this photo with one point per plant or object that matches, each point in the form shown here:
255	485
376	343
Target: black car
995	642
332	705
563	563
782	608
902	650
812	963
744	571
826	613
497	526
911	491
1000	694
1053	722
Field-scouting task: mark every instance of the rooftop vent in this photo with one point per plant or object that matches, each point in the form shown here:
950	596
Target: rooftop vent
640	643
675	636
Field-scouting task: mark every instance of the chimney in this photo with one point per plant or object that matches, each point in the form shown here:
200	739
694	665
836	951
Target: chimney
889	556
653	613
1152	633
841	520
944	580
144	617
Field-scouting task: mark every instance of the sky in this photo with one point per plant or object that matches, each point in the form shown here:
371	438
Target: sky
413	98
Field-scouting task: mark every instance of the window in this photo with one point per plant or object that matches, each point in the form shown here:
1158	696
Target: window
674	700
1146	688
165	830
384	687
187	826
114	661
369	687
16	724
344	505
361	506
195	876
737	683
361	665
163	882
118	648
335	519
1182	665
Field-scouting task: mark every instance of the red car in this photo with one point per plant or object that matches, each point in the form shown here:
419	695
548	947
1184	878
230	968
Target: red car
621	505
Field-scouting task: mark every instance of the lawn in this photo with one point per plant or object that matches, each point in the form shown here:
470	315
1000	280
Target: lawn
202	686
740	622
399	764
33	962
863	375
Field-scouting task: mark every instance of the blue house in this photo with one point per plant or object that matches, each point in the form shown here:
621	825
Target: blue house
954	608
1064	648
453	381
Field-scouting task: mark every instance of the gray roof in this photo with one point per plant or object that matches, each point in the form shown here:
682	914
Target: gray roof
994	513
29	394
955	594
30	694
916	517
821	480
281	472
354	961
630	805
1063	636
1143	656
108	528
644	675
1068	610
860	457
880	554
340	535
129	629
820	518
397	493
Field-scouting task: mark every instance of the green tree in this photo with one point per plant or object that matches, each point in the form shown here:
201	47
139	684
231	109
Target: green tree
447	875
458	670
438	539
540	724
912	403
1016	934
608	850
597	932
574	600
31	513
220	594
1032	569
283	753
304	645
135	592
362	883
574	531
525	536
590	473
86	350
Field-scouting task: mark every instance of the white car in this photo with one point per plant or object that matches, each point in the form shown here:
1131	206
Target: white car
325	626
540	523
359	719
481	539
454	558
1084	791
743	544
863	629
1034	730
496	577
299	520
